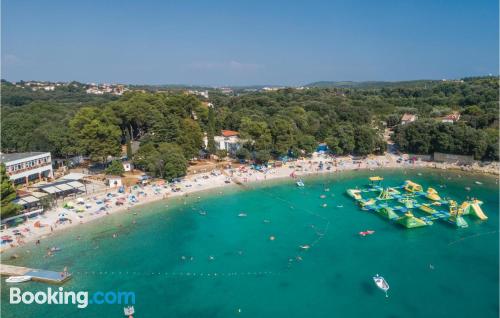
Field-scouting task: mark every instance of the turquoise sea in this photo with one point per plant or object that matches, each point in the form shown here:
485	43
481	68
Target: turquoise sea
181	263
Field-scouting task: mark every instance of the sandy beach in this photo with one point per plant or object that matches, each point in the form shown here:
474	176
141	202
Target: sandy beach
92	207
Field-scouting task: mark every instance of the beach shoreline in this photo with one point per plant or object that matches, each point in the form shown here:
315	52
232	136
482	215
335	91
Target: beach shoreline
195	184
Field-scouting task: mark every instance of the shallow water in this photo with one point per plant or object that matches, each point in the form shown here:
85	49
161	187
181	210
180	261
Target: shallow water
236	270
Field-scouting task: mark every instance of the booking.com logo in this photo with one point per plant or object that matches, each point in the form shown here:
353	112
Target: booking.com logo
62	297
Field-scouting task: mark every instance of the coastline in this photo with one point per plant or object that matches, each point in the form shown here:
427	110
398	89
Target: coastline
196	184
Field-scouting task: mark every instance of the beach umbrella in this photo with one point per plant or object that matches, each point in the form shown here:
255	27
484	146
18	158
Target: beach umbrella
6	237
62	215
37	224
15	231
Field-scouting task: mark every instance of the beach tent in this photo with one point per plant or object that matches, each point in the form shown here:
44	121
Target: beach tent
69	205
63	216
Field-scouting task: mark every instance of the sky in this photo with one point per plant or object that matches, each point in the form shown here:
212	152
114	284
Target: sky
244	42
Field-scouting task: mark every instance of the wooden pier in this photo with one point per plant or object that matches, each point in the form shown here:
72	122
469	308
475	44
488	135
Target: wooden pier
38	275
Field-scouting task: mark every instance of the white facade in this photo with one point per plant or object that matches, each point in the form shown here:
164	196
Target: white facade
23	167
127	166
230	144
114	182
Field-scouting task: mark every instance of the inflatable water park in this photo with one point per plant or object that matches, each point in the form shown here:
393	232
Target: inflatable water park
410	206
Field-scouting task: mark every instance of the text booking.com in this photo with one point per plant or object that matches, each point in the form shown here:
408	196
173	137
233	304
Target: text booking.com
61	297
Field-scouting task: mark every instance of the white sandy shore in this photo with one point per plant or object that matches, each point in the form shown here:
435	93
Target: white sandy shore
196	183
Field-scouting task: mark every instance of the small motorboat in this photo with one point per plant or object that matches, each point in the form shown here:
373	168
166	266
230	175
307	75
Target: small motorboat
242	215
300	183
381	283
129	311
478	183
18	279
305	247
365	233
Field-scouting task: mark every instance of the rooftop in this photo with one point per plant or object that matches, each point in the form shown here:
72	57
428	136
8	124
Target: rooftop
7	157
455	116
407	117
229	133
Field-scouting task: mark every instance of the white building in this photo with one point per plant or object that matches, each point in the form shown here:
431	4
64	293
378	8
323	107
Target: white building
127	166
27	166
114	182
408	118
451	118
229	141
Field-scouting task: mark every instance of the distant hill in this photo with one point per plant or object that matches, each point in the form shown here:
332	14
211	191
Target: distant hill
372	84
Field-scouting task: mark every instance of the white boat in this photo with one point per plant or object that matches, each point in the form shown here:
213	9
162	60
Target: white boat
381	283
18	279
478	182
242	215
129	311
305	247
300	183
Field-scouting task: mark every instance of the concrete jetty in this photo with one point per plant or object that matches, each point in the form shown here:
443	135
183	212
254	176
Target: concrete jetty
38	275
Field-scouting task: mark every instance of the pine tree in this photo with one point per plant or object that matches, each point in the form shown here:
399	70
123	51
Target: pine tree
8	194
211	131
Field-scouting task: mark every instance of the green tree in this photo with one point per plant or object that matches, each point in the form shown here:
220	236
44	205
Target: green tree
129	146
221	153
307	143
257	133
191	138
283	133
95	135
262	156
211	131
8	195
175	164
243	153
115	168
341	140
166	160
365	142
392	120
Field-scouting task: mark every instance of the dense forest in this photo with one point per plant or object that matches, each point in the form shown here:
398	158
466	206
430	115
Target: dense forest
286	122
